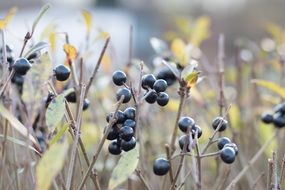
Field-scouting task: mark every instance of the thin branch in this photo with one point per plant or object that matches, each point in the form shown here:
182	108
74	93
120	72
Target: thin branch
269	174
97	66
167	150
142	179
101	143
257	180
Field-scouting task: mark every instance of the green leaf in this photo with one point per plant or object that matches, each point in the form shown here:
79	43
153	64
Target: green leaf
39	16
55	111
16	124
125	167
270	86
50	165
59	134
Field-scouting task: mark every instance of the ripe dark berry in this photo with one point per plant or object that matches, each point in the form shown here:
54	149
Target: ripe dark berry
86	104
18	80
151	97
131	123
222	142
278	120
114	133
267	118
279	108
49	98
128	145
162	99
184	140
119	116
34	56
130	113
21	66
196	129
185	122
228	155
167	75
126	133
160	85
124	92
232	145
161	166
114	148
71	97
119	78
219	121
148	80
61	73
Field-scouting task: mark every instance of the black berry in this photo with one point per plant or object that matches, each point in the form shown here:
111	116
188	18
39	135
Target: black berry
184	141
71	97
128	145
219	121
114	133
162	99
196	129
130	113
167	75
129	122
86	104
21	66
126	133
151	97
185	122
124	92
119	78
232	145
18	80
222	142
161	166
278	120
148	80
267	118
114	148
160	85
61	73
279	108
228	155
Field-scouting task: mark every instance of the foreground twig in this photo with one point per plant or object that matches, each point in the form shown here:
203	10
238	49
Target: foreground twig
143	179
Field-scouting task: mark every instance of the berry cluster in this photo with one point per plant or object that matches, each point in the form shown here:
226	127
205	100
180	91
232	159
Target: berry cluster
228	150
155	90
166	74
122	131
278	118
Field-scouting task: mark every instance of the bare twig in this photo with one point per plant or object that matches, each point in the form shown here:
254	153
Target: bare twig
143	179
252	161
97	66
257	180
167	150
269	174
101	143
221	57
282	170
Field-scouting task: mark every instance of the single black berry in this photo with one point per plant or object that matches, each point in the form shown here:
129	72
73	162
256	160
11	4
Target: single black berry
128	145
114	133
71	97
119	78
120	116
129	122
130	113
220	122
151	97
21	66
222	142
232	145
267	118
34	56
126	133
61	73
279	108
196	129
148	80
228	155
162	99
86	104
114	148
161	166
18	80
167	75
124	92
278	120
185	122
184	141
49	98
160	85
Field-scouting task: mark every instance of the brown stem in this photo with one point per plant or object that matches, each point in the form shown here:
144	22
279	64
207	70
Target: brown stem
101	143
167	150
269	174
143	179
257	180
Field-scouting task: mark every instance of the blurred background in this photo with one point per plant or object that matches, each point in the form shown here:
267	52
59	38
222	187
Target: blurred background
239	18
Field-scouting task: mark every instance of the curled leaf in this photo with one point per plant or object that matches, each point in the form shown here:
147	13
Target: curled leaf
87	19
39	16
178	48
270	86
70	51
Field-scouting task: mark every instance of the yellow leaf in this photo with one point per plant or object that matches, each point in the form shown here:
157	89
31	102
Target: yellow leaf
50	34
11	13
50	165
87	19
70	51
271	86
274	30
178	48
102	35
200	31
183	25
192	78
